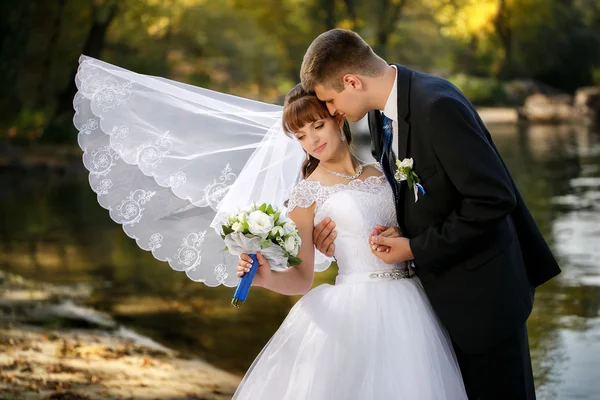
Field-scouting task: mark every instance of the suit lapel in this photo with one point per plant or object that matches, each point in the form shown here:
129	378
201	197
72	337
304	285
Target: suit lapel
404	80
375	128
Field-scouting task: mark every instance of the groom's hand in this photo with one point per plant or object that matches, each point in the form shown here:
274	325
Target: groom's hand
323	236
399	249
385	231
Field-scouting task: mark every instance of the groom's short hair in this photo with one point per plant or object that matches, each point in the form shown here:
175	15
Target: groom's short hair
334	54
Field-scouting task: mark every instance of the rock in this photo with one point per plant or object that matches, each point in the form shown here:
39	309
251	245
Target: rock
587	103
67	396
518	90
68	314
549	109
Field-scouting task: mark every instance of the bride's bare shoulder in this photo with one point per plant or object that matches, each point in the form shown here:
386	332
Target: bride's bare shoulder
372	169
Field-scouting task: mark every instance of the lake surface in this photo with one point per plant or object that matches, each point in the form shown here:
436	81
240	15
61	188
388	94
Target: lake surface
53	230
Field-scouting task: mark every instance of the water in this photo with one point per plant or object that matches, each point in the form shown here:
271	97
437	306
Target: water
53	230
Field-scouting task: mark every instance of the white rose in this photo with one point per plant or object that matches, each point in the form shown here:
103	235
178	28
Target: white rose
400	177
242	217
297	246
260	224
290	244
237	227
288	227
278	230
407	162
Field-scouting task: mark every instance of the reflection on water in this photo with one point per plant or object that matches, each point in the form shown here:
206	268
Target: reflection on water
53	229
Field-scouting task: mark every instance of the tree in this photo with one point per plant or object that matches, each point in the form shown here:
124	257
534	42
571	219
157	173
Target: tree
103	12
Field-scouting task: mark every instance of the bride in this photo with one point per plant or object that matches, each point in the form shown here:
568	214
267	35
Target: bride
373	335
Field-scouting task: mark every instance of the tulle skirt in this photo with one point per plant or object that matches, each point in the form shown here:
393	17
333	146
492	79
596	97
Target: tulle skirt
361	339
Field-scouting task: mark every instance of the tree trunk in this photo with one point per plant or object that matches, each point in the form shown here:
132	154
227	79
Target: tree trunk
504	31
93	47
330	20
46	64
351	10
389	14
15	36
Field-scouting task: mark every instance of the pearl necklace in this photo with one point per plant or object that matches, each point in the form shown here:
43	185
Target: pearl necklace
349	177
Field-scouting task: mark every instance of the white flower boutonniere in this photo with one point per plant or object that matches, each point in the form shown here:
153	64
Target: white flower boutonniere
404	172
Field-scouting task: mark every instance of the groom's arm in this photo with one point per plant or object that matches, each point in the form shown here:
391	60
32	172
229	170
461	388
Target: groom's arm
476	172
324	235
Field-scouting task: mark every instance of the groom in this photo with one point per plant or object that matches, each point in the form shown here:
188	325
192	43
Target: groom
471	238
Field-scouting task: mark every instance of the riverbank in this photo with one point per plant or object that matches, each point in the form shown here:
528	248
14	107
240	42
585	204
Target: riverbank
51	347
66	158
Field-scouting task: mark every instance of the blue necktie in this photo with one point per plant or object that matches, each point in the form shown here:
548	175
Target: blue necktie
387	157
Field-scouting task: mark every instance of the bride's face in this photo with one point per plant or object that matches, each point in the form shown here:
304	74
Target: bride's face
322	138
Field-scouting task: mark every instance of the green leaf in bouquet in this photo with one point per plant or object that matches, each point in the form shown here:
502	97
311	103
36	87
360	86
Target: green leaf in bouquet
246	227
263	208
270	210
226	248
276	217
227	230
265	244
294	261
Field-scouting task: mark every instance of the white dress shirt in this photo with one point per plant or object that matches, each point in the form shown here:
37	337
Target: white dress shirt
391	111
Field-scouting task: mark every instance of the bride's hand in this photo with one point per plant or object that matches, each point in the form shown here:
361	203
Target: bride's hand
263	274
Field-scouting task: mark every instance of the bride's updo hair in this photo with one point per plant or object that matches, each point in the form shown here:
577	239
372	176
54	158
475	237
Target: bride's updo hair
300	108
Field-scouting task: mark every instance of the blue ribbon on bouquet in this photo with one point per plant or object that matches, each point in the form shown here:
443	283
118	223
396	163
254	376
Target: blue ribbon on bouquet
243	286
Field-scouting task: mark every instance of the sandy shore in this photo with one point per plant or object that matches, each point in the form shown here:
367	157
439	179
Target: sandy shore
498	115
52	348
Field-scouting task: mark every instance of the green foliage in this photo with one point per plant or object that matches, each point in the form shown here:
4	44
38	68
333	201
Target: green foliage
480	91
254	48
596	76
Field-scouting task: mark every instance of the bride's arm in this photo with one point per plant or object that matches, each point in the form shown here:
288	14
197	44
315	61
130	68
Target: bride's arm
294	280
298	279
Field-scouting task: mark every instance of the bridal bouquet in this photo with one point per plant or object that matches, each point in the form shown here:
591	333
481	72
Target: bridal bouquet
261	228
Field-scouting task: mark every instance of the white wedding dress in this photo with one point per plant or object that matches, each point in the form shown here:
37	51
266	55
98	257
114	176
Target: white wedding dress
371	336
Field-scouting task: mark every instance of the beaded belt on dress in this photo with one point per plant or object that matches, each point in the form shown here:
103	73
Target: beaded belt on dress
393	274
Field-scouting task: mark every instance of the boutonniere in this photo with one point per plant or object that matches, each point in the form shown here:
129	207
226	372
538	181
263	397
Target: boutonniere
404	172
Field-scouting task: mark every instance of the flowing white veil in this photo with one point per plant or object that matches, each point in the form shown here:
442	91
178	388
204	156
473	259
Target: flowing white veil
170	160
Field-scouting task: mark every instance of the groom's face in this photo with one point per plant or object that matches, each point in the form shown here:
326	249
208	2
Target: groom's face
346	103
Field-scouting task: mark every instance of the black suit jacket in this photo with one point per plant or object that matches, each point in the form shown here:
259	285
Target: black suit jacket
478	251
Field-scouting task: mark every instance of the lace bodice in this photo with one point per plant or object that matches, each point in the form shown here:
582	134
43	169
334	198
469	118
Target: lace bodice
356	208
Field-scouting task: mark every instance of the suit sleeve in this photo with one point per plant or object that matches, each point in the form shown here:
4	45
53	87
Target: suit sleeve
476	172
